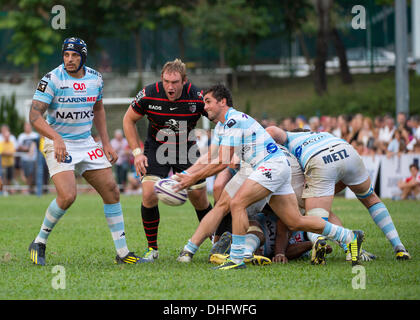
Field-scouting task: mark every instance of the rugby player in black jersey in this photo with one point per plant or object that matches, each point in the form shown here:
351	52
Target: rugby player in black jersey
173	106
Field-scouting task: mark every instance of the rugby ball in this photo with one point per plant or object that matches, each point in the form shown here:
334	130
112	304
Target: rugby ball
167	195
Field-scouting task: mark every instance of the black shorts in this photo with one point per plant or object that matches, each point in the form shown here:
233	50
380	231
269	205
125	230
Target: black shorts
164	158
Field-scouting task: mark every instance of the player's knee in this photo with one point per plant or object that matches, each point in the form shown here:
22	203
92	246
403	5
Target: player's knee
236	204
113	191
218	186
366	194
66	200
149	197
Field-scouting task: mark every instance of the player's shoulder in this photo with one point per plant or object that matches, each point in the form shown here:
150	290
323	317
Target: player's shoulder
153	90
92	73
55	75
192	92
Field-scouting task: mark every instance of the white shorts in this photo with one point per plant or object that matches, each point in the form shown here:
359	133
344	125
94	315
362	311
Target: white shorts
338	163
275	175
297	182
84	154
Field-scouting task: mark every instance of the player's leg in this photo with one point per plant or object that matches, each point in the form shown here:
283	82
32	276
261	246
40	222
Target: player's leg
198	197
206	228
103	181
150	216
319	207
65	184
285	206
250	192
380	215
221	181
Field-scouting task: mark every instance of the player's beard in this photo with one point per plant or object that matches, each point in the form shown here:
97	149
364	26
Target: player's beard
72	71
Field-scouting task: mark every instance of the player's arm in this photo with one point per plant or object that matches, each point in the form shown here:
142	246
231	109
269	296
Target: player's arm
295	250
36	118
217	159
281	243
130	131
279	135
99	121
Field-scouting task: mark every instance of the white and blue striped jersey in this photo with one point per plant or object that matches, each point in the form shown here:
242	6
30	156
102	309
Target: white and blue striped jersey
251	142
71	100
304	145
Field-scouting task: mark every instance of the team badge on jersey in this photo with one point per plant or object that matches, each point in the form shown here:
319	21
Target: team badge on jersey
272	147
42	85
193	108
231	123
298	152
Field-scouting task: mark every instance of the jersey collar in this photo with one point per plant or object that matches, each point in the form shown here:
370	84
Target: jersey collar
227	114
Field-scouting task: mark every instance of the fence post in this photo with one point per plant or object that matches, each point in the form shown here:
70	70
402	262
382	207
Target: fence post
39	173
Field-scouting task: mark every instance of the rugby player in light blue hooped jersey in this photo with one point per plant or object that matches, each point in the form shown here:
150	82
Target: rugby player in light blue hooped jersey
330	164
72	96
238	133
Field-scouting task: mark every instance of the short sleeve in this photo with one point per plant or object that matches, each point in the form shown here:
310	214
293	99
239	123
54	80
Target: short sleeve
45	90
137	103
233	135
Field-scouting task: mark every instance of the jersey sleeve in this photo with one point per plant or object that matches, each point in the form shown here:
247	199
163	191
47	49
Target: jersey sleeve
215	139
196	94
138	103
233	133
45	90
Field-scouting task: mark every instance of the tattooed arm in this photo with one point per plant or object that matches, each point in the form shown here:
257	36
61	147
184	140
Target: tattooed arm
36	118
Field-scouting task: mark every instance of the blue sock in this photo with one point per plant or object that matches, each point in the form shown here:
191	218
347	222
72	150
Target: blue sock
237	249
383	220
252	243
191	247
52	215
337	233
115	220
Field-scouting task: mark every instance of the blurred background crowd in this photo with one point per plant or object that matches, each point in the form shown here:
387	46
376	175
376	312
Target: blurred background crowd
381	135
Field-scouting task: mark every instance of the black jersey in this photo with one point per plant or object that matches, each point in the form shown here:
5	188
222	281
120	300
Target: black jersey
170	121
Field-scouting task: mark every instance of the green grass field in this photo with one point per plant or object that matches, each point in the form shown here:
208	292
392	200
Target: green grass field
82	244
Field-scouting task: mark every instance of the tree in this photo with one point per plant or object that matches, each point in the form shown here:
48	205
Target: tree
32	36
132	16
320	75
229	25
175	14
10	116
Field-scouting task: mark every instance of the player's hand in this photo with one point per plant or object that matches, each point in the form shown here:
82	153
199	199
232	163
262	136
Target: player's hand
60	150
184	181
140	163
110	153
280	258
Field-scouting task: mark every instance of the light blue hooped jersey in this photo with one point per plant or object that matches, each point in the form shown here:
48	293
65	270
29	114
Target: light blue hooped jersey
251	142
303	145
71	100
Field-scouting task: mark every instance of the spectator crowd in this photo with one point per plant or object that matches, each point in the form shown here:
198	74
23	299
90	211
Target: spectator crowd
382	135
